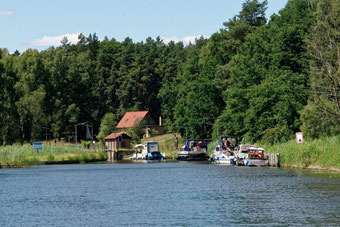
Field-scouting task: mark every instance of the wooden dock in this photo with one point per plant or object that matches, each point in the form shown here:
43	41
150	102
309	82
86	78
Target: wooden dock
273	159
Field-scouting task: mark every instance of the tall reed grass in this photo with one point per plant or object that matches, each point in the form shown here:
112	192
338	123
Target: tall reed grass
322	153
22	156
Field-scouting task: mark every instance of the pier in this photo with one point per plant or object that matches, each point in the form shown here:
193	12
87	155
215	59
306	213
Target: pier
273	159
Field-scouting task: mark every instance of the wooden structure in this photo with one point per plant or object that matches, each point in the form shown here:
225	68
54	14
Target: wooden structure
118	140
133	119
273	159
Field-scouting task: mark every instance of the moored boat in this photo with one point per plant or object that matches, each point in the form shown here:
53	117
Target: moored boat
194	150
250	155
147	151
224	152
222	158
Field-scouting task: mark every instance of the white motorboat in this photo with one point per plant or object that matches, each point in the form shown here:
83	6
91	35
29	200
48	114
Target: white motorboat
222	158
250	155
223	153
147	151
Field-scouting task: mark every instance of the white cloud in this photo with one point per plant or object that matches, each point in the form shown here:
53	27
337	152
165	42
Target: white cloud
186	39
55	40
6	12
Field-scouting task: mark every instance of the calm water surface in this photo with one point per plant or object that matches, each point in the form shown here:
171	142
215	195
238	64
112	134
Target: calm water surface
163	194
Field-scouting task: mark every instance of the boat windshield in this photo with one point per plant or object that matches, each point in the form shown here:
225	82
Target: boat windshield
242	155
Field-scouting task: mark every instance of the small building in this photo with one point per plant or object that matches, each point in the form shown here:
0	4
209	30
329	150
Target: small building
132	119
117	140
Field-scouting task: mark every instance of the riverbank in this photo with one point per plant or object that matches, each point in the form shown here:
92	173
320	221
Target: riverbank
166	144
17	156
318	154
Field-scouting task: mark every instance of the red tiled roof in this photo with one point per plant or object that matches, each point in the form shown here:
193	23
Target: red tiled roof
130	118
114	135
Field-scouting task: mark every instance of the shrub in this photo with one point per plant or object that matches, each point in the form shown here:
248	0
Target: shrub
323	152
92	156
50	158
102	155
276	135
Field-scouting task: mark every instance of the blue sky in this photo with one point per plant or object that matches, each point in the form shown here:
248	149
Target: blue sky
39	24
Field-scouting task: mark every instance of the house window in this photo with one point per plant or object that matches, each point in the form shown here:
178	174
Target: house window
123	144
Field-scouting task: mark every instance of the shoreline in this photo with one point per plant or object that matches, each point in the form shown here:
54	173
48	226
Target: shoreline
315	154
312	168
99	161
24	156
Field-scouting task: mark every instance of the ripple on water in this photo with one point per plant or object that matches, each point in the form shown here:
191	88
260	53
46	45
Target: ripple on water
157	194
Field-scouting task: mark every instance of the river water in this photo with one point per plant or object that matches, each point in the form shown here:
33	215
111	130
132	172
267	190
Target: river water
167	194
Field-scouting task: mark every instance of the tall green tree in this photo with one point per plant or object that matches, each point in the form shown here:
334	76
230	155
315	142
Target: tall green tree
31	92
61	92
107	126
267	77
9	130
172	58
322	114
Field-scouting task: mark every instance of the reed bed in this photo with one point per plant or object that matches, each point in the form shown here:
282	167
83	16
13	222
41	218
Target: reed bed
323	153
17	156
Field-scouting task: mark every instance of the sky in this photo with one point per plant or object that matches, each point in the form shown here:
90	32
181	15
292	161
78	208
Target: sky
39	24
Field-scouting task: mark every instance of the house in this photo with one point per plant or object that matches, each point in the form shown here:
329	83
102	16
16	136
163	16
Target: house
132	119
117	141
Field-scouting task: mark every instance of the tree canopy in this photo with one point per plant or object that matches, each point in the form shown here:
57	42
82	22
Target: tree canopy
258	79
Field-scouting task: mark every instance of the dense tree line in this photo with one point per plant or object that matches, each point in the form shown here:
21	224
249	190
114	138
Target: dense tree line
259	79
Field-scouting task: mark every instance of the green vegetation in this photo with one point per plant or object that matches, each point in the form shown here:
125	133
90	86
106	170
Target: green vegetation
318	153
167	143
258	79
136	132
321	115
107	126
21	156
211	146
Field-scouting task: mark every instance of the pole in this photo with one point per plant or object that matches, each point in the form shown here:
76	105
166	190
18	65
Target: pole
75	129
92	135
76	134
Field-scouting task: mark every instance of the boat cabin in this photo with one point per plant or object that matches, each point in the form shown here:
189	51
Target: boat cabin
196	144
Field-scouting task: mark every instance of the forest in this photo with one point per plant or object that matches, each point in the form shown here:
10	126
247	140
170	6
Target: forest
255	78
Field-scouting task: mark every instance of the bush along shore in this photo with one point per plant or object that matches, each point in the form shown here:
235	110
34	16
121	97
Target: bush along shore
322	154
24	156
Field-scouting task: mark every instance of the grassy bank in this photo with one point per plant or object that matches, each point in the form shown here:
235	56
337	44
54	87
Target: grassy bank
17	156
166	144
321	153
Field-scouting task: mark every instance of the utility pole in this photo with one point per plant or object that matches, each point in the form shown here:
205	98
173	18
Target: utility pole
76	134
83	123
92	136
46	129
